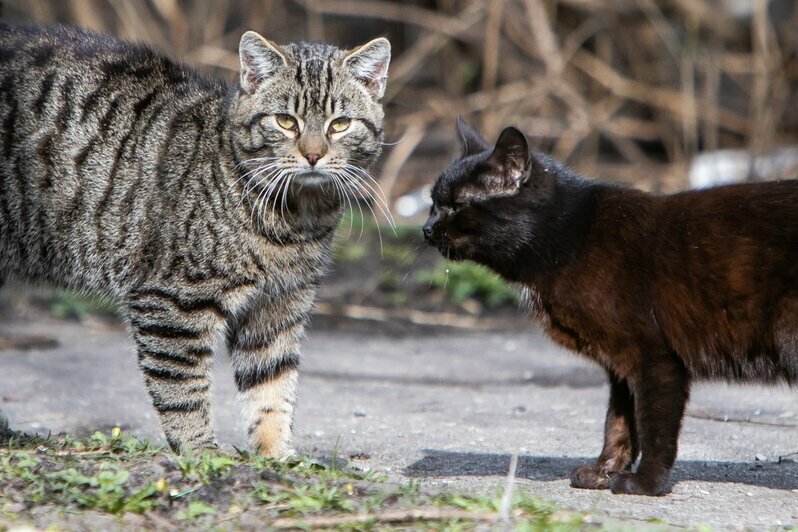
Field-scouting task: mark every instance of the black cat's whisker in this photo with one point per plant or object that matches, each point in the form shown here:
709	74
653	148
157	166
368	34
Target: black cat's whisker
417	251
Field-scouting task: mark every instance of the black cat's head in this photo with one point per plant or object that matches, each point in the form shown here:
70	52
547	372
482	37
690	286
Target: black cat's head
485	205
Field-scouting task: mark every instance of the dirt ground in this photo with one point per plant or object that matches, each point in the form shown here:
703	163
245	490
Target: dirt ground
444	408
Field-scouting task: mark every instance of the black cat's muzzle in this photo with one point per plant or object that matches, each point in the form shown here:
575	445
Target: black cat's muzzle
437	237
432	232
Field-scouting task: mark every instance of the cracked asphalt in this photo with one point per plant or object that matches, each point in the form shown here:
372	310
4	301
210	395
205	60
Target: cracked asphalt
446	409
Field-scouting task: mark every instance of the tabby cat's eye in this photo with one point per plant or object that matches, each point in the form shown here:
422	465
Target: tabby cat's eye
339	125
286	122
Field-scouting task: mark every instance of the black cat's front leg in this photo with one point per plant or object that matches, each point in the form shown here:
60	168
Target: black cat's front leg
620	440
661	394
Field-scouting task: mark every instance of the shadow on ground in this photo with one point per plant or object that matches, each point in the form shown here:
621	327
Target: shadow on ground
774	475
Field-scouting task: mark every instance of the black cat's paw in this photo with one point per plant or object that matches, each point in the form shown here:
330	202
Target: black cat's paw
634	484
589	477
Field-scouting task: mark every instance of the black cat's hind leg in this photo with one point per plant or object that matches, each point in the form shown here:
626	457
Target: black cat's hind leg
660	398
620	441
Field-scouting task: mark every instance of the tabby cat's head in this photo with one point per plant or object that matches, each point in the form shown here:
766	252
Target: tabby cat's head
489	202
308	114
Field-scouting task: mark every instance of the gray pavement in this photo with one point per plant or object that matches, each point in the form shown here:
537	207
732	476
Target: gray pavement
447	410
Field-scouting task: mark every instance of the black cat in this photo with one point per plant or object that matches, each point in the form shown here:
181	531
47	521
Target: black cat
658	290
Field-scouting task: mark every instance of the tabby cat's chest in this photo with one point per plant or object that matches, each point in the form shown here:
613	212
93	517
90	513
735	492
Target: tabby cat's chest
292	260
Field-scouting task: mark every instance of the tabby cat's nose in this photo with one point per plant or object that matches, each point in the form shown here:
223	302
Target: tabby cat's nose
312	158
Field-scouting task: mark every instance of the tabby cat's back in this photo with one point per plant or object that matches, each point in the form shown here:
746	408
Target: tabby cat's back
99	139
206	209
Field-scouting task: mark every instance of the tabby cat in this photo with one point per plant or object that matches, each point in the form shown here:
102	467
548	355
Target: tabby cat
207	210
658	290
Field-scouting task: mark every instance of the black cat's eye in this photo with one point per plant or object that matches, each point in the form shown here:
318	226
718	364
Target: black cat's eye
459	205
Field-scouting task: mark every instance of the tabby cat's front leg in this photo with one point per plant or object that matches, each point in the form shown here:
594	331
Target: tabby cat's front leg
265	353
175	338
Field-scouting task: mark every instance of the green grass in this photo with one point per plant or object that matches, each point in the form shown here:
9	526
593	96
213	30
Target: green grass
68	305
464	280
47	482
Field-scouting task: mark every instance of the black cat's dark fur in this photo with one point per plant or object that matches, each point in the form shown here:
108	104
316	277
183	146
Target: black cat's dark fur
660	290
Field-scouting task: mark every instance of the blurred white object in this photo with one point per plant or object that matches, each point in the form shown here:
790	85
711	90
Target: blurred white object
411	204
735	166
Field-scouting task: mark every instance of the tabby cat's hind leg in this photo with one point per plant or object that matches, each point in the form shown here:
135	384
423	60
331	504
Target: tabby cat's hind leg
265	356
175	339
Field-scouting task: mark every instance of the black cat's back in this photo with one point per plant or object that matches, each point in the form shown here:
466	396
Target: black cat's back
726	285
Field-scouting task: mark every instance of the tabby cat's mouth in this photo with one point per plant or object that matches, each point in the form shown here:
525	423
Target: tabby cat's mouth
312	177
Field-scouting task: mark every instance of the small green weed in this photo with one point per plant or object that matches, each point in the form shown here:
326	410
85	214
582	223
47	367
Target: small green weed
74	306
464	280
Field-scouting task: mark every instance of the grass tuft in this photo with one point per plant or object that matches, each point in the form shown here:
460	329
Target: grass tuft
64	482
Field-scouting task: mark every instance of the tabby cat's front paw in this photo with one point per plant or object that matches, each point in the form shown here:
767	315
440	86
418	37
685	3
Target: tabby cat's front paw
589	477
279	452
635	484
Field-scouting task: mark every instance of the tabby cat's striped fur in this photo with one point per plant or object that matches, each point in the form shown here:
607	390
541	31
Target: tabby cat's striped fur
207	210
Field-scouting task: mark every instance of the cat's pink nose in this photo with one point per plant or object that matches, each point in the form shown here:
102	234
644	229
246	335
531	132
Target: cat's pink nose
312	158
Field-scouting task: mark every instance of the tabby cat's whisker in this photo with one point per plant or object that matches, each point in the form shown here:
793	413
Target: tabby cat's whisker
380	196
271	172
263	196
348	177
381	204
402	138
343	194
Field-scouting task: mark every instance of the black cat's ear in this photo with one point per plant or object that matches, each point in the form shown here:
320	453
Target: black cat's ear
471	140
512	158
260	59
369	64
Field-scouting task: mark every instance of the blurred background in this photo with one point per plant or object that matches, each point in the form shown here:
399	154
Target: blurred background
660	94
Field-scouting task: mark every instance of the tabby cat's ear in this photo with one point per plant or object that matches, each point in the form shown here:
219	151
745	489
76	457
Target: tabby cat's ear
369	64
260	59
471	140
511	156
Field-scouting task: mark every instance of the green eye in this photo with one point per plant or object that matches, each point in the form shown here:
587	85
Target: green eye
339	124
286	122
